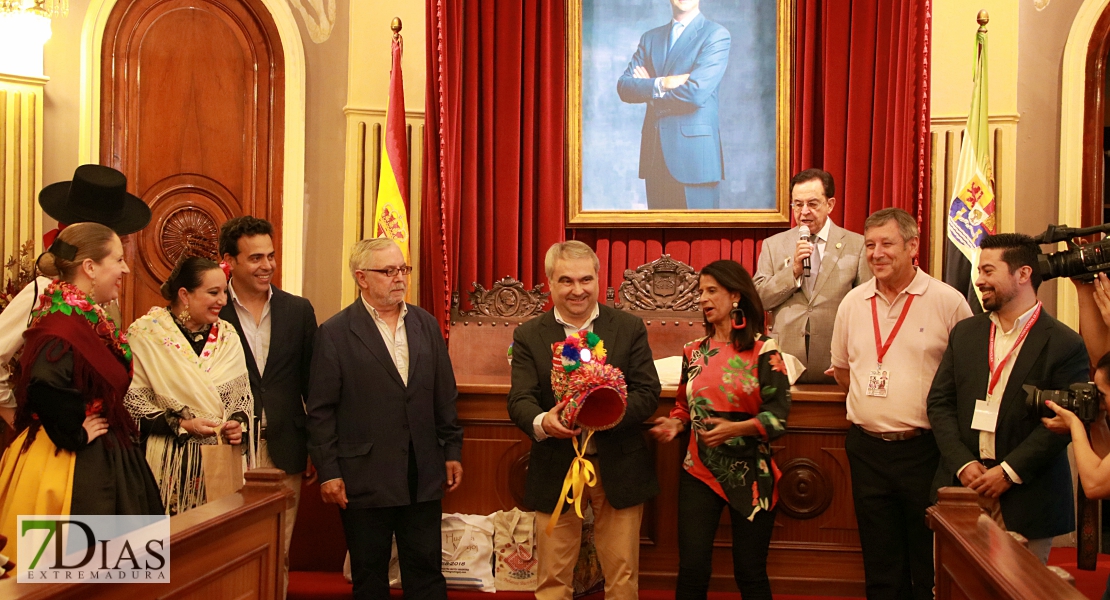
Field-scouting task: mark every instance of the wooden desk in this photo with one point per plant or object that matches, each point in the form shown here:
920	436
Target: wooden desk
815	544
977	560
227	549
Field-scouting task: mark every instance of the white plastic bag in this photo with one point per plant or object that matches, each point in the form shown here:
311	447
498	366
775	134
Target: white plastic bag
394	568
514	544
467	547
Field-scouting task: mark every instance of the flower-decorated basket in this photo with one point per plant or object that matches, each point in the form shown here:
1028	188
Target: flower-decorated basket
596	392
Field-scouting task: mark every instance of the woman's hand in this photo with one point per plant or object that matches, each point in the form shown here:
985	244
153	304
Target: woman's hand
1102	296
722	431
1062	422
198	427
665	429
233	431
95	426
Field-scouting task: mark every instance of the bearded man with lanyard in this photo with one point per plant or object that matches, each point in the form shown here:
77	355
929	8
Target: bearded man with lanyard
989	441
888	339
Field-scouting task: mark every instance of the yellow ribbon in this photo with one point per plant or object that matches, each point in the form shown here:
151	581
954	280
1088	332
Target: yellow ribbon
580	474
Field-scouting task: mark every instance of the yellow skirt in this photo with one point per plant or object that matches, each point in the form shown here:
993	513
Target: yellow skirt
36	482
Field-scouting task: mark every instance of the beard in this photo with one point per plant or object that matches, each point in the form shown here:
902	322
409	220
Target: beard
997	300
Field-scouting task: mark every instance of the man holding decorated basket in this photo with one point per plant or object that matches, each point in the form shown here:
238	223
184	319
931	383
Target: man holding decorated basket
583	382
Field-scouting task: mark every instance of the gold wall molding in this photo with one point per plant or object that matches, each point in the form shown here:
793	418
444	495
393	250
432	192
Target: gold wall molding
947	133
293	187
365	127
21	105
1073	83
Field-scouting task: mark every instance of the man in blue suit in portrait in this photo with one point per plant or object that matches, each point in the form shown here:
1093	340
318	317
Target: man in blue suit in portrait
676	70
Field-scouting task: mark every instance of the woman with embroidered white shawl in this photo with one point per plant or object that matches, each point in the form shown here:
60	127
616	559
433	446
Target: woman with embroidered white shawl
191	382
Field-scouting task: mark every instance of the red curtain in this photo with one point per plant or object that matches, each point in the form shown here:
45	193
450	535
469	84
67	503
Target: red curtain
494	175
494	171
861	108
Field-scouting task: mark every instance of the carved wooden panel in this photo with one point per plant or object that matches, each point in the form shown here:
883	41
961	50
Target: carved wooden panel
663	284
192	108
507	299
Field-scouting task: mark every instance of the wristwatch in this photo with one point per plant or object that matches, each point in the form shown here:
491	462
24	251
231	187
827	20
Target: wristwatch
1006	476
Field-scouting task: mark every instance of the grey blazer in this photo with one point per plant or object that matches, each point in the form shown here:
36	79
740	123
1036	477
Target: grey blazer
843	267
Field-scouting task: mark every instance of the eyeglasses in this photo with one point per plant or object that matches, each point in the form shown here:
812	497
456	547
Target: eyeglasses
391	271
812	204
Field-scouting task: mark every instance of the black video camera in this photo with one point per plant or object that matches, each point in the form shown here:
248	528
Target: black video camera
1081	261
1080	398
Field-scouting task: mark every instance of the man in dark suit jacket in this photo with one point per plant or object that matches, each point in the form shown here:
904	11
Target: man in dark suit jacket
676	71
276	329
621	458
382	426
989	441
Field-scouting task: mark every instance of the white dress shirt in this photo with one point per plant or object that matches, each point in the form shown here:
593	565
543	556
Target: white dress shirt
256	334
396	341
13	322
1003	342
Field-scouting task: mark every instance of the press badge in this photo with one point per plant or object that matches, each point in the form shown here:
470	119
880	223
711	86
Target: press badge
877	382
986	416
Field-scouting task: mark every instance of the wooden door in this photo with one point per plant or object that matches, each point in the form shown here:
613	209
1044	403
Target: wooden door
192	108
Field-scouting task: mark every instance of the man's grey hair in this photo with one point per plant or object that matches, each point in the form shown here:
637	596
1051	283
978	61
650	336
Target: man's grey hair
568	250
907	225
360	253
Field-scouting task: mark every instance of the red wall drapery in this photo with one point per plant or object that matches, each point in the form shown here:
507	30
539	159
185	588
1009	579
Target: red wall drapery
494	143
495	181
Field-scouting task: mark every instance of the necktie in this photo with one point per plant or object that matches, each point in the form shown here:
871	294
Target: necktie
676	30
814	265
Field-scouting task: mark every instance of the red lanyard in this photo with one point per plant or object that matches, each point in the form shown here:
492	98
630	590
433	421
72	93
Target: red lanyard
880	347
996	374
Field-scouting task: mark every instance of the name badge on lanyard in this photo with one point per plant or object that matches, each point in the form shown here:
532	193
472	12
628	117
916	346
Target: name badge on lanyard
878	379
985	417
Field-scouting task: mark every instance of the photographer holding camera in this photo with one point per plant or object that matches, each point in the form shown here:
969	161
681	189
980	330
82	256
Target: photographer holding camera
989	440
1090	455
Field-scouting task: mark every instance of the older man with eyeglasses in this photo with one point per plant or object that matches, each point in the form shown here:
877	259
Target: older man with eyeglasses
383	431
804	273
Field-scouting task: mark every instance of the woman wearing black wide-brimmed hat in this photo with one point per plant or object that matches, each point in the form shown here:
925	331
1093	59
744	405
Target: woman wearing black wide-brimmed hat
96	194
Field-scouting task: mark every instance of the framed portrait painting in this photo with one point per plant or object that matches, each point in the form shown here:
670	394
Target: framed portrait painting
678	112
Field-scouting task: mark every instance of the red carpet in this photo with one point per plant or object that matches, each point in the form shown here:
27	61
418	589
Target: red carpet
331	585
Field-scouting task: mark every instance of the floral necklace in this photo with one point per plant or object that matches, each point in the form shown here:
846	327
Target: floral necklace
68	299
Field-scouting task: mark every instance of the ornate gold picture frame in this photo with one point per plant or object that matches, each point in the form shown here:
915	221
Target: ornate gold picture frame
752	139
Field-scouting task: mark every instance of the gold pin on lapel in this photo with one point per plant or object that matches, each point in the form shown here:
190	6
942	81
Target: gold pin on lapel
838	245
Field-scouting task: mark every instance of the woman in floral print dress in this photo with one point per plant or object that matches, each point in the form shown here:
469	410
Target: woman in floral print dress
734	395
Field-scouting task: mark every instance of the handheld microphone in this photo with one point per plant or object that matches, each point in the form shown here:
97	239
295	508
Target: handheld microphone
804	230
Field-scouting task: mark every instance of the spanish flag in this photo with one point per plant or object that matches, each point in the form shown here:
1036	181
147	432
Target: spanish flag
391	212
971	211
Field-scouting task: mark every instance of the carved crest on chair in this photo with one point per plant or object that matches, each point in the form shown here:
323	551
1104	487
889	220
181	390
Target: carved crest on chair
506	299
663	284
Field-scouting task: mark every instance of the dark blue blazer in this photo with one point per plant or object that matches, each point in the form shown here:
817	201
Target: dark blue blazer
283	387
362	417
683	124
1052	357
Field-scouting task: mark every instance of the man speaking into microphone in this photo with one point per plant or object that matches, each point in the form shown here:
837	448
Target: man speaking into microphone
804	273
